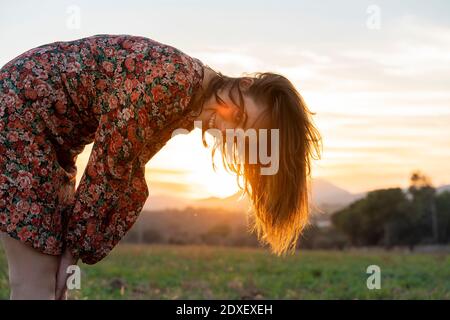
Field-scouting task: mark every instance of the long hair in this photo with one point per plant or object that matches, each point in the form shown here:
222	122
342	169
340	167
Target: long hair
280	202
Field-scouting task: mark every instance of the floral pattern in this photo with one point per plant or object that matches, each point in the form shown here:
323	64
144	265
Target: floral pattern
124	93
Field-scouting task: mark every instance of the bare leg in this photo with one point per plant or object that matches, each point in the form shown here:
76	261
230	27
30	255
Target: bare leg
32	275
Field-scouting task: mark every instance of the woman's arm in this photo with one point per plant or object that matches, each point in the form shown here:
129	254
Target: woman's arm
112	189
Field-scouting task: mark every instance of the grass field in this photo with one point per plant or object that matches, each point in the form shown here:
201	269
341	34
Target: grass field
190	272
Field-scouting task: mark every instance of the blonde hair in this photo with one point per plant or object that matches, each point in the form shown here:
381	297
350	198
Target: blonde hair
280	202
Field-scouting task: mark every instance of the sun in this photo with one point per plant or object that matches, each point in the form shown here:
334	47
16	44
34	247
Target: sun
219	183
186	155
183	161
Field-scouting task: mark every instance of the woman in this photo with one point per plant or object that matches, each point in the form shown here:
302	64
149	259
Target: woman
127	94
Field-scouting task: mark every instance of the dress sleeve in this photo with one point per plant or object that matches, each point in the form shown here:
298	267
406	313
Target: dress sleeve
113	190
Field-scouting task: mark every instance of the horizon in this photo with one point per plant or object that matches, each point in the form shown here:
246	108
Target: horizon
379	88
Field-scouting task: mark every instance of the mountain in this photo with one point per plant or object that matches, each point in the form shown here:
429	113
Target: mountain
325	195
443	188
232	202
162	202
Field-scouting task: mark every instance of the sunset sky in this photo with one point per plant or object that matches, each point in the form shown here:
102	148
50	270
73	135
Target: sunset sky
380	88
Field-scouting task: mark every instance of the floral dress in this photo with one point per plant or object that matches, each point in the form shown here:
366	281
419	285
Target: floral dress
126	94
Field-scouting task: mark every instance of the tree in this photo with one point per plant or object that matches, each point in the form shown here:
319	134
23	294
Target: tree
392	217
217	234
443	213
152	236
369	221
423	198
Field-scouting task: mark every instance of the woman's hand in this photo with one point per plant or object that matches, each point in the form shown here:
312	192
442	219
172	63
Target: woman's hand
65	261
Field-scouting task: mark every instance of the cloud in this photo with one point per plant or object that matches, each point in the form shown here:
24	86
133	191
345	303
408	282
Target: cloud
169	187
229	61
412	47
410	54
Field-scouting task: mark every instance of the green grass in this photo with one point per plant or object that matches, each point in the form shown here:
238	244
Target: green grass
201	272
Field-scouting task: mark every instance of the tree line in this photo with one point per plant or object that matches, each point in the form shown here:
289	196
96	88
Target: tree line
386	217
396	217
